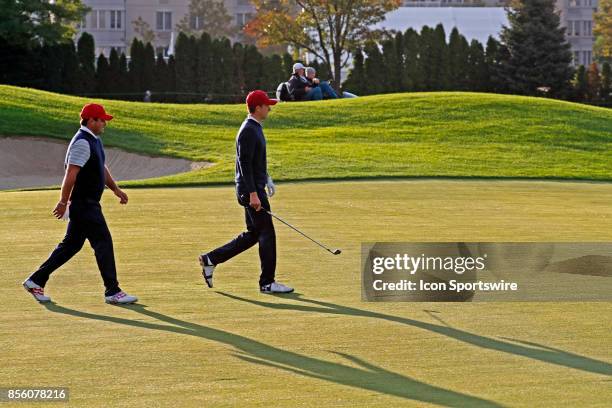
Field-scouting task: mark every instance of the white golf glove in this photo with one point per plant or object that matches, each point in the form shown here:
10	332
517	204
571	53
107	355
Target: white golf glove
270	186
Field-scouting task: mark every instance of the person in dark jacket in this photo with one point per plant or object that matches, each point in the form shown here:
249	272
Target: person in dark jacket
299	87
251	180
84	181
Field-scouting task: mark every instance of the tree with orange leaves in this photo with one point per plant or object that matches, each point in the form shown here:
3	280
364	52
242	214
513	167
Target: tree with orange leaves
328	29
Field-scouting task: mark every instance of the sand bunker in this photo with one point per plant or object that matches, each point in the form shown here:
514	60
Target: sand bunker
38	162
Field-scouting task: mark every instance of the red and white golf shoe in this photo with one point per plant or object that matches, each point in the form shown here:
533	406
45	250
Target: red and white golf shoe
36	291
121	298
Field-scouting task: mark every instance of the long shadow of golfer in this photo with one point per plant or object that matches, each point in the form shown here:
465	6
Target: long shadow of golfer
367	377
521	348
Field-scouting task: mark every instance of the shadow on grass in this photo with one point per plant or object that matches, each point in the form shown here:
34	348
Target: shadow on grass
517	347
366	377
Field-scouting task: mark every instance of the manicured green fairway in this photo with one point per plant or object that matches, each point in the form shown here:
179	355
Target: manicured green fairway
450	134
187	345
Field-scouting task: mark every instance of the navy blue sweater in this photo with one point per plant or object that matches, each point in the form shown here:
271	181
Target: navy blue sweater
251	165
90	180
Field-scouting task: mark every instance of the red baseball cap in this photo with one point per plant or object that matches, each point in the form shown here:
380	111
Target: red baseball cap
256	98
93	111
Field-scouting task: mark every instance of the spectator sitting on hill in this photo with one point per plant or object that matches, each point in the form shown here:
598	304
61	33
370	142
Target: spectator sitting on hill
326	89
299	87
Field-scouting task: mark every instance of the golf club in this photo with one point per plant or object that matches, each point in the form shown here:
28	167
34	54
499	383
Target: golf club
334	252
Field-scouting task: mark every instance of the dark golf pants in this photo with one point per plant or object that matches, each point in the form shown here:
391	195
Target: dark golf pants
260	229
86	222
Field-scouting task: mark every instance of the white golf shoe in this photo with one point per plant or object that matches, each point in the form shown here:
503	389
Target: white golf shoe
207	270
121	298
275	287
36	291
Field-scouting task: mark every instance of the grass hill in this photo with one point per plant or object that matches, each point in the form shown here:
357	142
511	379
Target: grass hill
442	134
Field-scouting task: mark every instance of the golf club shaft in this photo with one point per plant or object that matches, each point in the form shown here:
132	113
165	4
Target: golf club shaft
298	231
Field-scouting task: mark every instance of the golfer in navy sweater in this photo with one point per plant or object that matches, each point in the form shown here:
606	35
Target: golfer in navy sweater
251	179
83	185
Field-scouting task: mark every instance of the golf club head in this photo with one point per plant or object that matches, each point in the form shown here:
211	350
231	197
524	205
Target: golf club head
337	252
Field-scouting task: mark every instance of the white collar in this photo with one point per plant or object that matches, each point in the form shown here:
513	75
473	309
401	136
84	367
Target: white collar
86	129
253	117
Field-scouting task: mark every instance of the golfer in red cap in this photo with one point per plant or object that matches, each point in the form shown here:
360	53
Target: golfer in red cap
251	180
84	181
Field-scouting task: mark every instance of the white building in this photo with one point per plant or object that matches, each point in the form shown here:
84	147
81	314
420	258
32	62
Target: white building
110	22
480	22
577	17
472	22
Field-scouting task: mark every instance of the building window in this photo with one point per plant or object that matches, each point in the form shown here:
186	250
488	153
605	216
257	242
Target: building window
101	19
164	21
243	18
93	19
116	19
160	20
168	21
588	57
97	20
576	58
196	22
588	28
